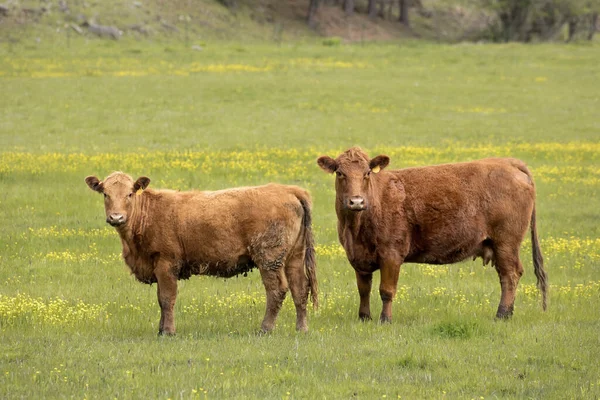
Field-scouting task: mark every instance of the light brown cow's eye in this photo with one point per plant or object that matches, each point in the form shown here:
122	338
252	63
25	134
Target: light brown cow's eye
105	195
338	173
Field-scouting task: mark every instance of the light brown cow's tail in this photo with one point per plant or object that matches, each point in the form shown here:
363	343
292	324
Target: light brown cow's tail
538	261
310	263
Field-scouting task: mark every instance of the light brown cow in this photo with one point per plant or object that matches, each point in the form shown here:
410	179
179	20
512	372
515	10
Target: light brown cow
436	215
169	235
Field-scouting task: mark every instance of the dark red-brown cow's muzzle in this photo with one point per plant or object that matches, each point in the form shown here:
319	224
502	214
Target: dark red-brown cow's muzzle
356	203
116	219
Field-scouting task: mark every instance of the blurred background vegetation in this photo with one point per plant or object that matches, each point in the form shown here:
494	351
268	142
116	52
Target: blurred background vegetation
278	20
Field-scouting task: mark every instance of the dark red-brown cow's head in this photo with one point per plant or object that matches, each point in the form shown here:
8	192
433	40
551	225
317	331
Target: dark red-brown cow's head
353	169
119	190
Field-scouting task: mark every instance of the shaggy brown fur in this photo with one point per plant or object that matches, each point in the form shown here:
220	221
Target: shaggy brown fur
169	235
436	215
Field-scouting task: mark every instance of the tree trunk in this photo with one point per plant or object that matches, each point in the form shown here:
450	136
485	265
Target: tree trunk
349	7
229	3
404	12
372	8
572	28
516	24
593	25
312	12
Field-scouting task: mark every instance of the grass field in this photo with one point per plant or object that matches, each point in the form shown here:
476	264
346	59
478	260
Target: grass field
74	323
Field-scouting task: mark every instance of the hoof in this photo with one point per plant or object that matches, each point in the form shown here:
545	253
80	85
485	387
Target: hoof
164	333
364	317
262	332
385	320
504	312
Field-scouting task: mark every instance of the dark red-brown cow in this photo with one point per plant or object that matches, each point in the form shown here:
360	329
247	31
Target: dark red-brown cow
169	235
436	215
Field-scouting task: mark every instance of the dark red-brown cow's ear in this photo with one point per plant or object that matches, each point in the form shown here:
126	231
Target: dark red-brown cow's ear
94	183
141	183
327	164
378	163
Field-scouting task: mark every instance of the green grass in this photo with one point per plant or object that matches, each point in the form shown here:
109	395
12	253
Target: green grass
74	323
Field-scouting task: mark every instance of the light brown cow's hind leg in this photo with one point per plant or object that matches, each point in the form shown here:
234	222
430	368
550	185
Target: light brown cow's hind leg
509	269
298	282
390	271
364	282
167	294
276	287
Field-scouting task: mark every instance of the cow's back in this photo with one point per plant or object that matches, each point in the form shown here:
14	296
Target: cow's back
479	182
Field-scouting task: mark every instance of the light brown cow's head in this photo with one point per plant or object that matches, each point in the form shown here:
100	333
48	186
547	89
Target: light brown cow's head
119	191
353	183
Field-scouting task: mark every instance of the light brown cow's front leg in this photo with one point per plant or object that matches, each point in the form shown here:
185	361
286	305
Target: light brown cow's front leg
364	281
167	294
390	270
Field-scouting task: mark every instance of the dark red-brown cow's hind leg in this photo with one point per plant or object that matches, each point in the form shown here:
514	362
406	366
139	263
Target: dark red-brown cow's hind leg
509	269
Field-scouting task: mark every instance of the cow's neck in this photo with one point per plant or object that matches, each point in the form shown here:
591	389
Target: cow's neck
351	221
359	224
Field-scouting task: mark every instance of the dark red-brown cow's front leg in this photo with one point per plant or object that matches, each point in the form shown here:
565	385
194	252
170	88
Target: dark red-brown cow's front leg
390	270
167	294
364	281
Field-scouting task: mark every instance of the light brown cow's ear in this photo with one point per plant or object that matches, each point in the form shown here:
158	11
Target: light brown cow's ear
327	164
378	163
94	183
141	183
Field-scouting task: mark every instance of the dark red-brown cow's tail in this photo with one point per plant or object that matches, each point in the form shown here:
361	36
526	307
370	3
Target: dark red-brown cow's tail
536	252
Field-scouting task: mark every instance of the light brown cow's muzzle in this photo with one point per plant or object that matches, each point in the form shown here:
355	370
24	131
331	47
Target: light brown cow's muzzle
356	203
116	219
